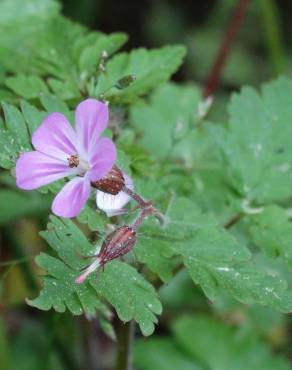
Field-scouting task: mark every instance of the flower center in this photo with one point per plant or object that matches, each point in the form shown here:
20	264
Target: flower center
75	161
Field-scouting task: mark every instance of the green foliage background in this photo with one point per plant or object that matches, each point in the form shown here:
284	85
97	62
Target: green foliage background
213	285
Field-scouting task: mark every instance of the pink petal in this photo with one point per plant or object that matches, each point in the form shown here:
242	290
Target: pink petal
35	169
103	159
113	204
91	118
55	137
70	200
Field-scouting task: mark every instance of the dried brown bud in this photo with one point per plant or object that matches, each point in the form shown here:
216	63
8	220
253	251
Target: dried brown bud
118	243
112	182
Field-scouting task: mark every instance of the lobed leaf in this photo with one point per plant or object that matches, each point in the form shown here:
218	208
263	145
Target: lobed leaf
119	284
216	260
168	117
256	143
150	69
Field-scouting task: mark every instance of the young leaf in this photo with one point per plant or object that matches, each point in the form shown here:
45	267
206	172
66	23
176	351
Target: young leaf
119	284
150	68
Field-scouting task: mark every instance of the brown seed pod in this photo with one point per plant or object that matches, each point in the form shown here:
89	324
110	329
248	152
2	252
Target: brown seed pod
112	182
118	243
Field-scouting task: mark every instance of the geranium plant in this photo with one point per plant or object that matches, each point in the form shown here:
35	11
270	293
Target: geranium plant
147	194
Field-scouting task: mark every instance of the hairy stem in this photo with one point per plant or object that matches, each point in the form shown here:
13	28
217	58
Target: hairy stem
225	47
142	203
125	339
144	213
145	205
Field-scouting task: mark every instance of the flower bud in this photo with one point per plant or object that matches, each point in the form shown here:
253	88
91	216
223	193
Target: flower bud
111	183
125	82
118	243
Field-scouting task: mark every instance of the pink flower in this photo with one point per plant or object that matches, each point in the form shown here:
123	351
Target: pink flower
81	154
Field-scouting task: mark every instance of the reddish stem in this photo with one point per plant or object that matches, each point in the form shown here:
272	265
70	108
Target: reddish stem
144	205
225	46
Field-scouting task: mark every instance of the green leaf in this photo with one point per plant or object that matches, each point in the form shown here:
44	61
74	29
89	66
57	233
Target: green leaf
156	255
14	137
216	260
256	144
170	114
16	126
18	10
150	68
180	294
16	131
119	284
163	354
93	218
91	55
22	23
28	87
271	230
231	349
49	45
53	104
60	291
131	295
154	252
32	116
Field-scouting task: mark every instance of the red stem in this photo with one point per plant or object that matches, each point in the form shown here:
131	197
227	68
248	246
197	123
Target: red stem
225	46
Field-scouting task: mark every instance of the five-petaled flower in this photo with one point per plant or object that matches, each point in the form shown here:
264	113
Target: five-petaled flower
80	154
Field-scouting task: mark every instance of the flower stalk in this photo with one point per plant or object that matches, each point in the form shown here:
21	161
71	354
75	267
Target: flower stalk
225	48
123	239
145	205
125	339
